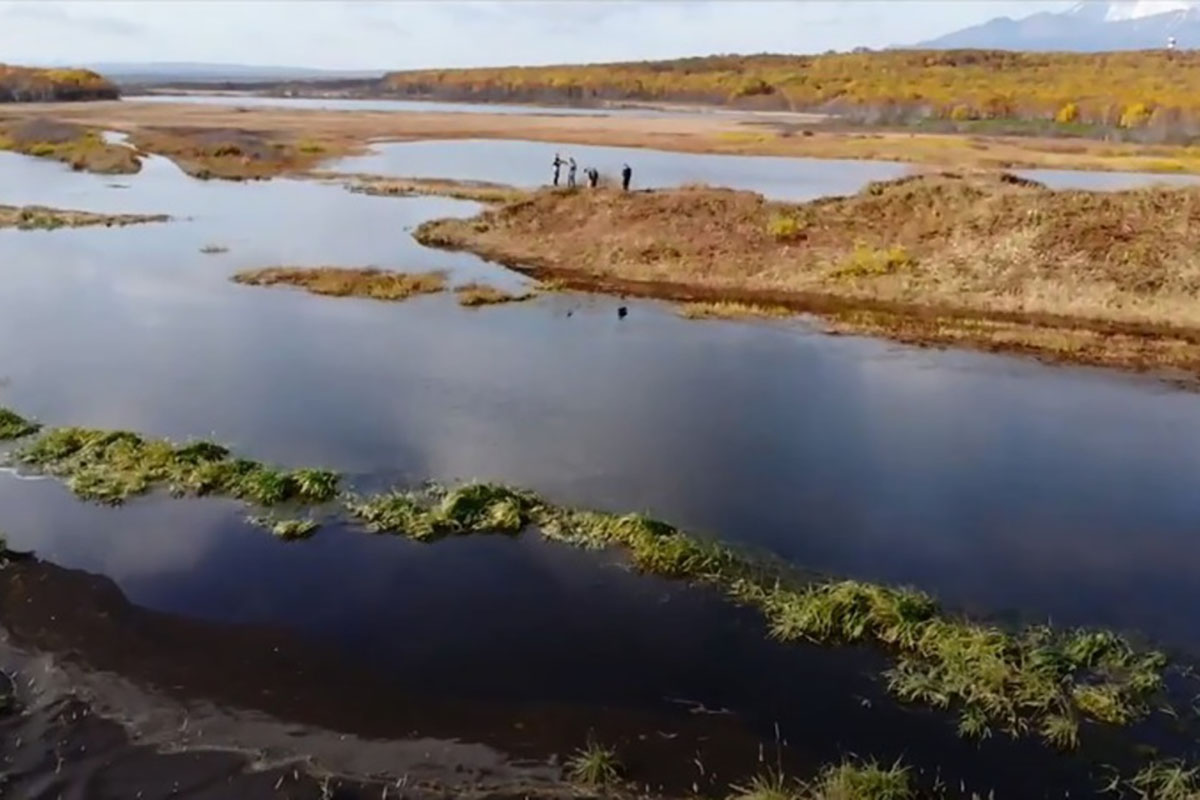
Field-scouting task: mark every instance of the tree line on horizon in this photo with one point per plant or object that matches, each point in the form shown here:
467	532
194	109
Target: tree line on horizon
31	85
1133	90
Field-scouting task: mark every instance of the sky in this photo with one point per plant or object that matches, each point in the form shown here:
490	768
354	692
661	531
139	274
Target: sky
406	34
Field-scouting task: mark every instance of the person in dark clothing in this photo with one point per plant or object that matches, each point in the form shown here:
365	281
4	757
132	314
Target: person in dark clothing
571	172
626	176
558	162
593	176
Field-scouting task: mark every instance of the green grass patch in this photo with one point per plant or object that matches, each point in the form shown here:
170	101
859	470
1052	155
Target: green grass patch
438	512
14	426
111	466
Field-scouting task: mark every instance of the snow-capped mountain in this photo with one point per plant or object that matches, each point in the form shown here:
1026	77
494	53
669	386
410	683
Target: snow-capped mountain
1088	26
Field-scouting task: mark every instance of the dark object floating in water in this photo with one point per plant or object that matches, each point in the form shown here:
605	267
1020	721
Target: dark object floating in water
622	312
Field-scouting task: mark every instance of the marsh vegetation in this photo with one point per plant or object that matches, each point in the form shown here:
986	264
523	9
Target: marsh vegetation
376	284
83	148
1099	277
1039	681
29	218
473	295
383	186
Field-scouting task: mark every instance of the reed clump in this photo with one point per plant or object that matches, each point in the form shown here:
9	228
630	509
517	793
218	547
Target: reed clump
594	765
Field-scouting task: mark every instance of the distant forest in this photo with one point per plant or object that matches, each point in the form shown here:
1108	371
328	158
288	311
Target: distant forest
27	85
1136	90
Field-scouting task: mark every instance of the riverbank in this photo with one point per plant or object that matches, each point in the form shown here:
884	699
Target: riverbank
985	261
305	137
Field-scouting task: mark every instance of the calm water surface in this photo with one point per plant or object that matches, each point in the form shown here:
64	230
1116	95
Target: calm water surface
523	163
1006	487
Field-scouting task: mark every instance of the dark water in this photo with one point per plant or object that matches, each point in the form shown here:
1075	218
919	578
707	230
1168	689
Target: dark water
1006	487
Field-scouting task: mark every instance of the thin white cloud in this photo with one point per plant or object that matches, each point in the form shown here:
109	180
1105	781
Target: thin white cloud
394	35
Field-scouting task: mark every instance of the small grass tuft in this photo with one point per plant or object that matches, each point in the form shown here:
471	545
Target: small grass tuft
286	529
732	310
785	227
1167	780
862	780
594	765
870	262
438	512
768	785
473	295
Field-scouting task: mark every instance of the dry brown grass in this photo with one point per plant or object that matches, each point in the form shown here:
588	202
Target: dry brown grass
237	153
982	247
42	218
728	309
473	295
82	148
341	131
382	186
376	284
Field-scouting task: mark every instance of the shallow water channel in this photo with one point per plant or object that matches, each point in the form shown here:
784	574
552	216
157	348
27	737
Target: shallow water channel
1008	488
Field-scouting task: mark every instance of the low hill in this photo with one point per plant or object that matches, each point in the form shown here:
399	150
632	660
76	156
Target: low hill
33	85
1127	89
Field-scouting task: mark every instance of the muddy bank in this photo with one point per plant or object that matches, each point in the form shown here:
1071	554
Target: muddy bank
233	700
986	261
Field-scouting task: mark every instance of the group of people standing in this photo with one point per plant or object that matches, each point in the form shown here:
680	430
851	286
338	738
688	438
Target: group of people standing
591	173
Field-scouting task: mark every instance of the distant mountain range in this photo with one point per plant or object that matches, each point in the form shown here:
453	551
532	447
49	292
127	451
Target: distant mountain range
1087	27
189	72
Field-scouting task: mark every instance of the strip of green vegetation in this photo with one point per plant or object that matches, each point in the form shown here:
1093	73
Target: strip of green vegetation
111	466
1039	680
14	426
